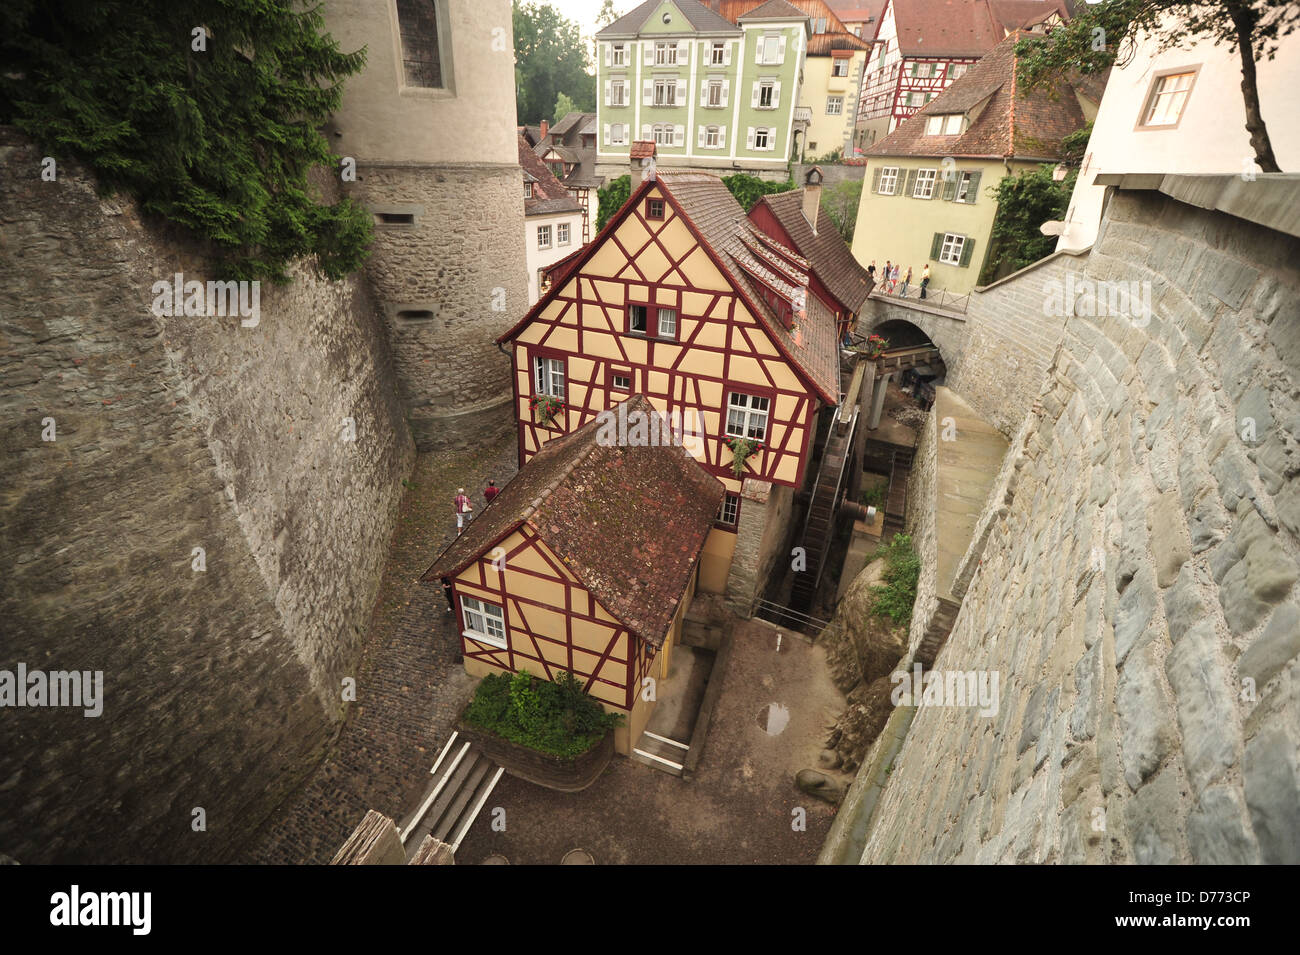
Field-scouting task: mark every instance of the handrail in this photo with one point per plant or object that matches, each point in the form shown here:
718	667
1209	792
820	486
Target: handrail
839	482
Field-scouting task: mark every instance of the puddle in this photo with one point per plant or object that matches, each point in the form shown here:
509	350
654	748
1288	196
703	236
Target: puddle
773	718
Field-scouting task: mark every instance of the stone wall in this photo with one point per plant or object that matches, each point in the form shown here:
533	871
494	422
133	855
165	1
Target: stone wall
221	686
1135	593
448	284
761	538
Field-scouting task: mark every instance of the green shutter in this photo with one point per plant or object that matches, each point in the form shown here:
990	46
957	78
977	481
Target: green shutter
875	179
950	187
967	248
936	246
911	183
972	193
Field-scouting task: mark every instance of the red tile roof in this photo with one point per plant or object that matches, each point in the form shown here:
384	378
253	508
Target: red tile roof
1004	121
963	27
549	194
628	522
828	253
642	149
836	37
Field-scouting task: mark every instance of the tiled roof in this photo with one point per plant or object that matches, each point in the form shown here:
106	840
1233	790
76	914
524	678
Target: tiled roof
642	149
855	11
963	27
827	252
565	137
699	17
1010	124
773	10
836	37
628	522
719	219
549	195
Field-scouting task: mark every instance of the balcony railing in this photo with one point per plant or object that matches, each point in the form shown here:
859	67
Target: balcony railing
803	114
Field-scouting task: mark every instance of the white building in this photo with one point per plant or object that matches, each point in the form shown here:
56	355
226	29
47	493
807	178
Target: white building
1181	111
552	218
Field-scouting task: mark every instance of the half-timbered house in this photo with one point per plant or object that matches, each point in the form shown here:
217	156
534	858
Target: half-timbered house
682	299
585	563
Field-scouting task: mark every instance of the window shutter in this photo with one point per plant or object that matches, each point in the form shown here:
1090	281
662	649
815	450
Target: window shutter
722	137
683	51
648	93
726	54
647	132
704	93
609	54
699	138
679	135
758	52
936	246
649	52
973	189
607	134
875	180
753	96
776	94
749	138
967	249
726	89
780	54
609	88
911	183
950	187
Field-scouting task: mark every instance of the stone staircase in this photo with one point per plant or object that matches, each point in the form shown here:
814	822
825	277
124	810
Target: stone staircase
900	470
660	752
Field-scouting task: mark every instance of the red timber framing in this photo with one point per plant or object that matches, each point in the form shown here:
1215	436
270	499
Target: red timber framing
720	345
542	620
887	91
761	215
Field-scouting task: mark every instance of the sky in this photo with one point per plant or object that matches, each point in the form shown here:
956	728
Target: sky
583	12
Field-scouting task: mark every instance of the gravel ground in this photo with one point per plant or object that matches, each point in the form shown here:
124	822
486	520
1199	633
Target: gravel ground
411	686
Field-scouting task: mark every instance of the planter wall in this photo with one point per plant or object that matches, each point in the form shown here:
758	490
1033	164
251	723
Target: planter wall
553	772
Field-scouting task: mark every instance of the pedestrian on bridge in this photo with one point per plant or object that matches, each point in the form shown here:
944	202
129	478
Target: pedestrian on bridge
925	279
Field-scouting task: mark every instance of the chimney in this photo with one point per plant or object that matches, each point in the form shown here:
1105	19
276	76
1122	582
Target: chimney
546	127
812	195
643	161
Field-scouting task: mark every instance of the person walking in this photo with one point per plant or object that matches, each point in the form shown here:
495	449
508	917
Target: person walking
893	279
491	491
907	278
446	592
871	273
463	507
884	278
925	279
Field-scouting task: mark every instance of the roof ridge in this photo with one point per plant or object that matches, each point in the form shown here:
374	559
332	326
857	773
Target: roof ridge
1011	109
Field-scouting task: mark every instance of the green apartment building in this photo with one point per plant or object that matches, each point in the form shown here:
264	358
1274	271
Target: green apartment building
712	95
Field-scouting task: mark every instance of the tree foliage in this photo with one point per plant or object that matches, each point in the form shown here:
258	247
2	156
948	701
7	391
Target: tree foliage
553	717
563	107
550	58
840	202
1107	33
1025	202
220	140
749	189
612	195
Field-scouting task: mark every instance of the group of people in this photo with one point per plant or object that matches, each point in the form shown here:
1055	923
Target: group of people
891	275
463	505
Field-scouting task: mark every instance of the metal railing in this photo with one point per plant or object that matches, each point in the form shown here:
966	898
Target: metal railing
787	617
935	298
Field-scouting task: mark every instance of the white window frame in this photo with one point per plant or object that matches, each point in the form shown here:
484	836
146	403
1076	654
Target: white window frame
888	174
957	70
925	180
665	91
549	376
950	252
718	53
838	103
770	44
768	87
963	189
766	135
712	137
618	134
482	619
528	190
838	63
645	315
713	86
665	53
618	93
1168	104
544	237
663	133
753	416
562	233
729	510
667	323
618	54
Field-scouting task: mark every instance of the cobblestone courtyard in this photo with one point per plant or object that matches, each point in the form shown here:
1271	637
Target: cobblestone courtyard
410	684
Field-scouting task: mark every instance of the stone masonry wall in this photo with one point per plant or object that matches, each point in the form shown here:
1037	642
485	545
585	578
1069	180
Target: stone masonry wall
921	510
461	259
220	686
1137	592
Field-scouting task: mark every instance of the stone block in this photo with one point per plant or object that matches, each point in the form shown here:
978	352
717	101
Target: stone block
1206	709
1146	722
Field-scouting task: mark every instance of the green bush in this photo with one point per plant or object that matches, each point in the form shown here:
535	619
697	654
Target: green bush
552	717
874	496
894	598
749	189
220	139
611	197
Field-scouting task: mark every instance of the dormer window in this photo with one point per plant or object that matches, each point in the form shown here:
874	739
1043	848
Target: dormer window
528	190
946	124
